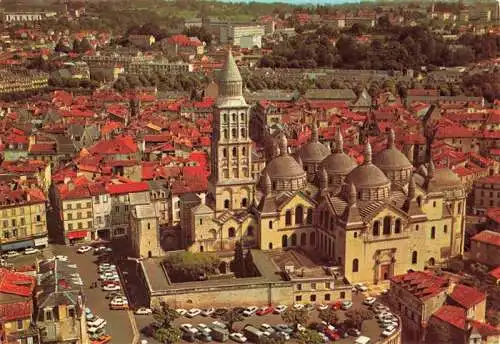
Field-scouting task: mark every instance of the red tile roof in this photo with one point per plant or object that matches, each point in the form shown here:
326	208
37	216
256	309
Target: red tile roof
17	310
493	214
421	284
452	315
16	283
114	189
118	145
489	180
495	273
488	237
485	330
467	296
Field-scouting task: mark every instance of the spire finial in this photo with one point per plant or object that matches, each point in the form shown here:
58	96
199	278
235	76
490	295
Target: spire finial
339	141
411	188
283	144
314	134
368	153
351	197
391	138
267	183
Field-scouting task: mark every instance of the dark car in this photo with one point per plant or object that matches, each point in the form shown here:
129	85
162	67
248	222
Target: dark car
238	309
220	312
317	327
204	337
188	337
354	332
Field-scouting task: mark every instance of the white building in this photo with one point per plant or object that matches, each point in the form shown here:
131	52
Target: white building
233	33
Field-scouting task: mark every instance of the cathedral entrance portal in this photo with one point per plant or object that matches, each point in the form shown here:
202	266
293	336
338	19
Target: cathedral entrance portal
385	272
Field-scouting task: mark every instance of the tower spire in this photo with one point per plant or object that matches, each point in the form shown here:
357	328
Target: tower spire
314	134
391	138
283	144
368	153
339	141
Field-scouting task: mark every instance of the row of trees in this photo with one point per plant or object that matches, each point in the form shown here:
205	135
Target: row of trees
164	331
164	82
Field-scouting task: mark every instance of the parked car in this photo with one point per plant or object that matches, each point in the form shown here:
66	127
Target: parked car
266	328
182	312
10	254
111	287
321	307
389	331
193	312
283	328
104	339
114	294
279	309
264	310
31	250
207	312
333	335
62	258
203	328
360	287
188	337
97	322
84	249
220	312
346	304
336	305
218	324
143	311
369	300
310	307
250	311
238	337
188	328
354	332
204	337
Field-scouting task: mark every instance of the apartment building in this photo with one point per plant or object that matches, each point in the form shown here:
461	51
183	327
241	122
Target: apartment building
485	248
233	34
36	172
22	218
159	67
23	81
486	194
145	231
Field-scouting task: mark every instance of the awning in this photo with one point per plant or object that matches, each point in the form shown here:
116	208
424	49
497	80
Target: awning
76	235
17	245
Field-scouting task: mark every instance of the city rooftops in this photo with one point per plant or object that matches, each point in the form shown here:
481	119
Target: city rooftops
488	237
421	284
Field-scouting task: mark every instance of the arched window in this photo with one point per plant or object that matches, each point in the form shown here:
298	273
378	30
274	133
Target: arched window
235	151
299	215
312	238
445	228
231	232
419	201
414	257
293	239
270	224
309	218
225	117
243	132
288	218
225	134
433	232
242	117
387	225
226	204
250	231
397	226
459	208
243	151
270	245
355	265
224	152
376	228
432	261
284	241
303	239
244	202
234	117
234	132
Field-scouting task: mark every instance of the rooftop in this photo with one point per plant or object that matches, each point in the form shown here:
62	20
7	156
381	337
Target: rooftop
488	237
421	284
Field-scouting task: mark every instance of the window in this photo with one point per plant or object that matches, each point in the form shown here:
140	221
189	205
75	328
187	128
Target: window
355	234
376	228
419	201
225	134
299	215
414	257
226	204
78	206
397	226
288	218
417	227
96	199
434	204
433	232
355	265
225	117
243	132
327	285
149	225
201	222
244	202
299	286
303	239
313	286
342	294
89	224
13	222
20	325
234	133
445	228
89	214
48	315
22	221
235	151
224	153
233	116
312	298
14	232
250	231
270	224
6	234
284	240
309	218
80	225
231	232
293	239
70	226
459	207
242	116
79	215
298	298
312	238
89	205
387	225
71	312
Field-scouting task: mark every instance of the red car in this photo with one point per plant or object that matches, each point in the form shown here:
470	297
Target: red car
264	310
332	334
336	305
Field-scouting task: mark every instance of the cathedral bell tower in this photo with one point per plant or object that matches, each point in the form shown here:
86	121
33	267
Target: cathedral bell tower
230	185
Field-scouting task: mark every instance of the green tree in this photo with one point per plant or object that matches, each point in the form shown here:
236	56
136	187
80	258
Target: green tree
85	45
310	337
295	317
249	264
169	335
163	316
239	261
329	315
358	316
230	318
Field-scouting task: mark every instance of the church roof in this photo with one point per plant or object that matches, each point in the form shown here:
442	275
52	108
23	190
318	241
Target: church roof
230	71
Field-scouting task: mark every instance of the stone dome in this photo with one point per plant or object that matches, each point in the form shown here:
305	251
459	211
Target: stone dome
444	179
393	162
372	184
338	164
285	173
313	151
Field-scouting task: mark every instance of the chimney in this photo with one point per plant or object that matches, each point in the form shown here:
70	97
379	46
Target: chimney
67	180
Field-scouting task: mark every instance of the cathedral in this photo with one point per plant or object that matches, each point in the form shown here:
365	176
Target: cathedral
375	220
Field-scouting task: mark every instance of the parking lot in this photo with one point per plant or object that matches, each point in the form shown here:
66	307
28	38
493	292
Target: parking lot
370	327
119	324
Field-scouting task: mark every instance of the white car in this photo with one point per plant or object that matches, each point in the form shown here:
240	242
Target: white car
143	311
111	287
108	275
322	307
284	336
279	309
119	301
97	322
193	312
84	249
188	328
238	337
267	328
208	312
62	258
369	300
182	312
77	281
204	328
298	306
31	250
389	331
346	304
10	254
218	324
301	328
250	311
361	287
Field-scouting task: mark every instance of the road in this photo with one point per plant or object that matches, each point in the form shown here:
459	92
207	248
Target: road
118	323
370	327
